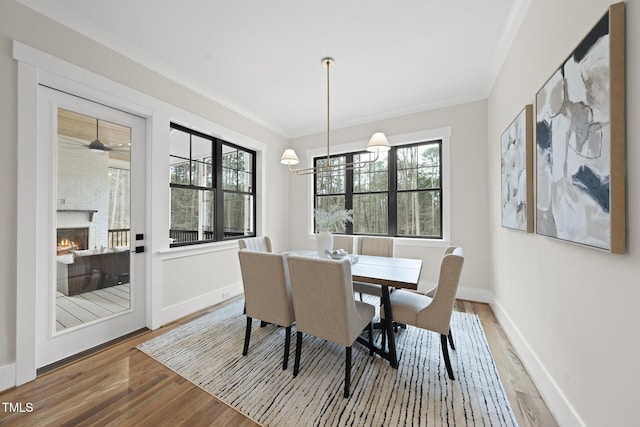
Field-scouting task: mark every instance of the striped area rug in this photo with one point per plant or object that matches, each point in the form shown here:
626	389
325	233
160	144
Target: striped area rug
208	352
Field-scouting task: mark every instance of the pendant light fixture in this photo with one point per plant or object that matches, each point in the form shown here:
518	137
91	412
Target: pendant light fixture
377	144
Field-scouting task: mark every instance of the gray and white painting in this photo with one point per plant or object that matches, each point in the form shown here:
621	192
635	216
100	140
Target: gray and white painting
573	141
514	173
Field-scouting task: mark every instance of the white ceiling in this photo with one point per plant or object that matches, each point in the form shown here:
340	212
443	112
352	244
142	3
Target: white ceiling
262	58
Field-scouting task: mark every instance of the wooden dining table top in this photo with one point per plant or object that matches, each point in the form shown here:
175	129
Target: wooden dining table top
387	271
381	270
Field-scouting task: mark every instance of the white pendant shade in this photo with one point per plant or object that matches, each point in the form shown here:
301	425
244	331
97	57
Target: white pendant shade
289	157
378	143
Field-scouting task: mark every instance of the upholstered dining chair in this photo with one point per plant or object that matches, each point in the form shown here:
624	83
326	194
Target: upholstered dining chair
344	242
261	244
378	246
431	292
267	293
434	313
325	307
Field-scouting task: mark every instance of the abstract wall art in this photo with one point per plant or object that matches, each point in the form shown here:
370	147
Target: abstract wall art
517	172
580	142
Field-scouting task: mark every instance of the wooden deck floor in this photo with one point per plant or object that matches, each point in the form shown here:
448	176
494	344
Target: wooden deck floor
78	309
121	386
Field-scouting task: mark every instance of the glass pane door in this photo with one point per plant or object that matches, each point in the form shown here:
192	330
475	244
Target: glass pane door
92	219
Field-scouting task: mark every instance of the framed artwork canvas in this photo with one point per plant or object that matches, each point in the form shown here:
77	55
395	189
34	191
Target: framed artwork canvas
517	172
580	142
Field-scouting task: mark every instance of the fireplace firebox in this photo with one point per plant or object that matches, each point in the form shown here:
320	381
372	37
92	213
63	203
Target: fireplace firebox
72	239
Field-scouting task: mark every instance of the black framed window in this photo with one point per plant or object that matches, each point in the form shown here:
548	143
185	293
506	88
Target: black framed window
238	184
398	195
212	185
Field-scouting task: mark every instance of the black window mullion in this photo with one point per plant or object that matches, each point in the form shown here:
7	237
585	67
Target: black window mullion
218	191
392	193
348	197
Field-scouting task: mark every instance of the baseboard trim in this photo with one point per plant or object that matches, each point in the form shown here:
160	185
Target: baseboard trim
7	376
474	294
560	407
185	308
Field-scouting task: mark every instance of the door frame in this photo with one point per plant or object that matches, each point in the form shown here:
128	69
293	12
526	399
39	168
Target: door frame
33	223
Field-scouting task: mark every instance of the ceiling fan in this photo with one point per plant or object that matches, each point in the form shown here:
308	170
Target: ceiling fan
96	144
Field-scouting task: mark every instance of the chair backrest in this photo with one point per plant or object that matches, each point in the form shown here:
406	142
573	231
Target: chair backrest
431	292
378	246
323	298
267	290
449	250
436	316
262	244
343	242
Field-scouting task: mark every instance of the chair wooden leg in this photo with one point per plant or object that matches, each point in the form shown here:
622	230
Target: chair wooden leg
370	327
247	336
287	344
347	372
445	354
451	343
296	363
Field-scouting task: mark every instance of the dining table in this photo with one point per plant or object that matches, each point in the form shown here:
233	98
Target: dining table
389	273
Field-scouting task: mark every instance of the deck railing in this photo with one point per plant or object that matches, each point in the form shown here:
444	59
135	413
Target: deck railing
118	237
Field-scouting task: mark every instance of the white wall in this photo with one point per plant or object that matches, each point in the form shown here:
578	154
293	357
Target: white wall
572	311
180	285
468	127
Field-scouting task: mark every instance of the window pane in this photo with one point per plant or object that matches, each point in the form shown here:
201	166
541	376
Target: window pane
334	180
419	167
237	167
419	213
329	204
370	213
372	176
189	223
201	148
179	144
179	172
229	179
238	215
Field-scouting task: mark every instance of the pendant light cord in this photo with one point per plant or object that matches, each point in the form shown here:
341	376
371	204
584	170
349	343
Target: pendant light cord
328	62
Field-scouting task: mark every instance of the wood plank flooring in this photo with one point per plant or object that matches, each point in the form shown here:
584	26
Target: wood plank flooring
86	307
121	386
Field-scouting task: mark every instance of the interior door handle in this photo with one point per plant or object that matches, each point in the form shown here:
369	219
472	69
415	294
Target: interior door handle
139	249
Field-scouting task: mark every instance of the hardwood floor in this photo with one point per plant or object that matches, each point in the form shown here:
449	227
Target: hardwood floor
121	386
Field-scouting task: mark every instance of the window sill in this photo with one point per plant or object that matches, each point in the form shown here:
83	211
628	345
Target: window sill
191	250
406	241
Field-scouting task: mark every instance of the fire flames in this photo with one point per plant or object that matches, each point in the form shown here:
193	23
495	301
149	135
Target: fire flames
65	246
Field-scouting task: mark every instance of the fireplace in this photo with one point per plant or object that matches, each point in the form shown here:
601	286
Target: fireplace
72	239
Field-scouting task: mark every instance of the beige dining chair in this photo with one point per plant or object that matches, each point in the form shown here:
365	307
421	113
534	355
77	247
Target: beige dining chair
434	313
431	292
262	244
343	242
267	293
378	246
325	307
